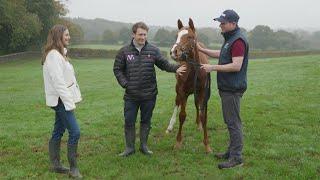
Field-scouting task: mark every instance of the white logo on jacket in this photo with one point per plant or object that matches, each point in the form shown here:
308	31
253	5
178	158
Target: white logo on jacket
130	57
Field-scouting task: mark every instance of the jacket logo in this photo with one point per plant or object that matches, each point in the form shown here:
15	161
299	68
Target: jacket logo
130	57
226	45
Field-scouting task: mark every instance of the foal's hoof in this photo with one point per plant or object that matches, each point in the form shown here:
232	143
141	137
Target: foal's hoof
178	145
168	131
208	150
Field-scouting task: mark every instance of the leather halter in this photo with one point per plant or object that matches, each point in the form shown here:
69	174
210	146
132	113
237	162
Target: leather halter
185	56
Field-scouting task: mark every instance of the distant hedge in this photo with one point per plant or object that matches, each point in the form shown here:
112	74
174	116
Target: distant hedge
21	55
104	53
96	53
87	53
274	54
91	53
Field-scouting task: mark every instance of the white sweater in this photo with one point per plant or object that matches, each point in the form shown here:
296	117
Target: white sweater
60	81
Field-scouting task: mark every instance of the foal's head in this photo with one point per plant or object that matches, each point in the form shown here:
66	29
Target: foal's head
185	45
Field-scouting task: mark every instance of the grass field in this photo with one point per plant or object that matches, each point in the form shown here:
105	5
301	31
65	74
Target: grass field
280	112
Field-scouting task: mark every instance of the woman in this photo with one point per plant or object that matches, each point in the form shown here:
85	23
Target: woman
62	92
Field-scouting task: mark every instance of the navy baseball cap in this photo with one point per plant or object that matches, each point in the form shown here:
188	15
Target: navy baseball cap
228	16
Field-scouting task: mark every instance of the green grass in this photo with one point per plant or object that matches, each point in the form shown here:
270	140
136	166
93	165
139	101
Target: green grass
280	113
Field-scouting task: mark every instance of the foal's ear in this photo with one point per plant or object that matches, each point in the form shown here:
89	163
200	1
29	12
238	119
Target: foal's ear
191	25
180	25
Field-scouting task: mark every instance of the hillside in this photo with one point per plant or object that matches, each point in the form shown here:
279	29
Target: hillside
94	28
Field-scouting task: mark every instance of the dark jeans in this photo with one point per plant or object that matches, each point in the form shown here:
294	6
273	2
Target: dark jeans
131	108
65	120
231	114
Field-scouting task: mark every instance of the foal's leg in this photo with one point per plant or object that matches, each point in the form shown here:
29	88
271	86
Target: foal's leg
198	120
182	118
203	117
205	133
174	115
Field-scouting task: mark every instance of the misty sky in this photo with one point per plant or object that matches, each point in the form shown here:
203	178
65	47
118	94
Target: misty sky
293	14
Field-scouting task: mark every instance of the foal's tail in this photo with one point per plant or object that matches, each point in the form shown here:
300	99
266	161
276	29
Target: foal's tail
207	89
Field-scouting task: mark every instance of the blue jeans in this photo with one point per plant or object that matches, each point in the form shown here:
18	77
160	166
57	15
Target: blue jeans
65	120
131	108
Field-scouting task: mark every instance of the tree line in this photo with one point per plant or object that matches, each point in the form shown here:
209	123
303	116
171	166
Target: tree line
261	37
162	37
25	23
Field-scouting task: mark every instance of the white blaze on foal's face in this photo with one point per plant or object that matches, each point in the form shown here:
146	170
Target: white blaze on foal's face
180	34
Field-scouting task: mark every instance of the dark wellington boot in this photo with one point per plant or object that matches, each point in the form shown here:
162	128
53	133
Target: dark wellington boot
54	155
72	158
130	136
232	162
222	155
144	133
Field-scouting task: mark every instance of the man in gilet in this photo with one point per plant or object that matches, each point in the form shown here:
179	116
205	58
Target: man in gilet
232	82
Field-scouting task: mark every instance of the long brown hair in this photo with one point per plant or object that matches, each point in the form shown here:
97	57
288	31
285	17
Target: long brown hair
54	41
